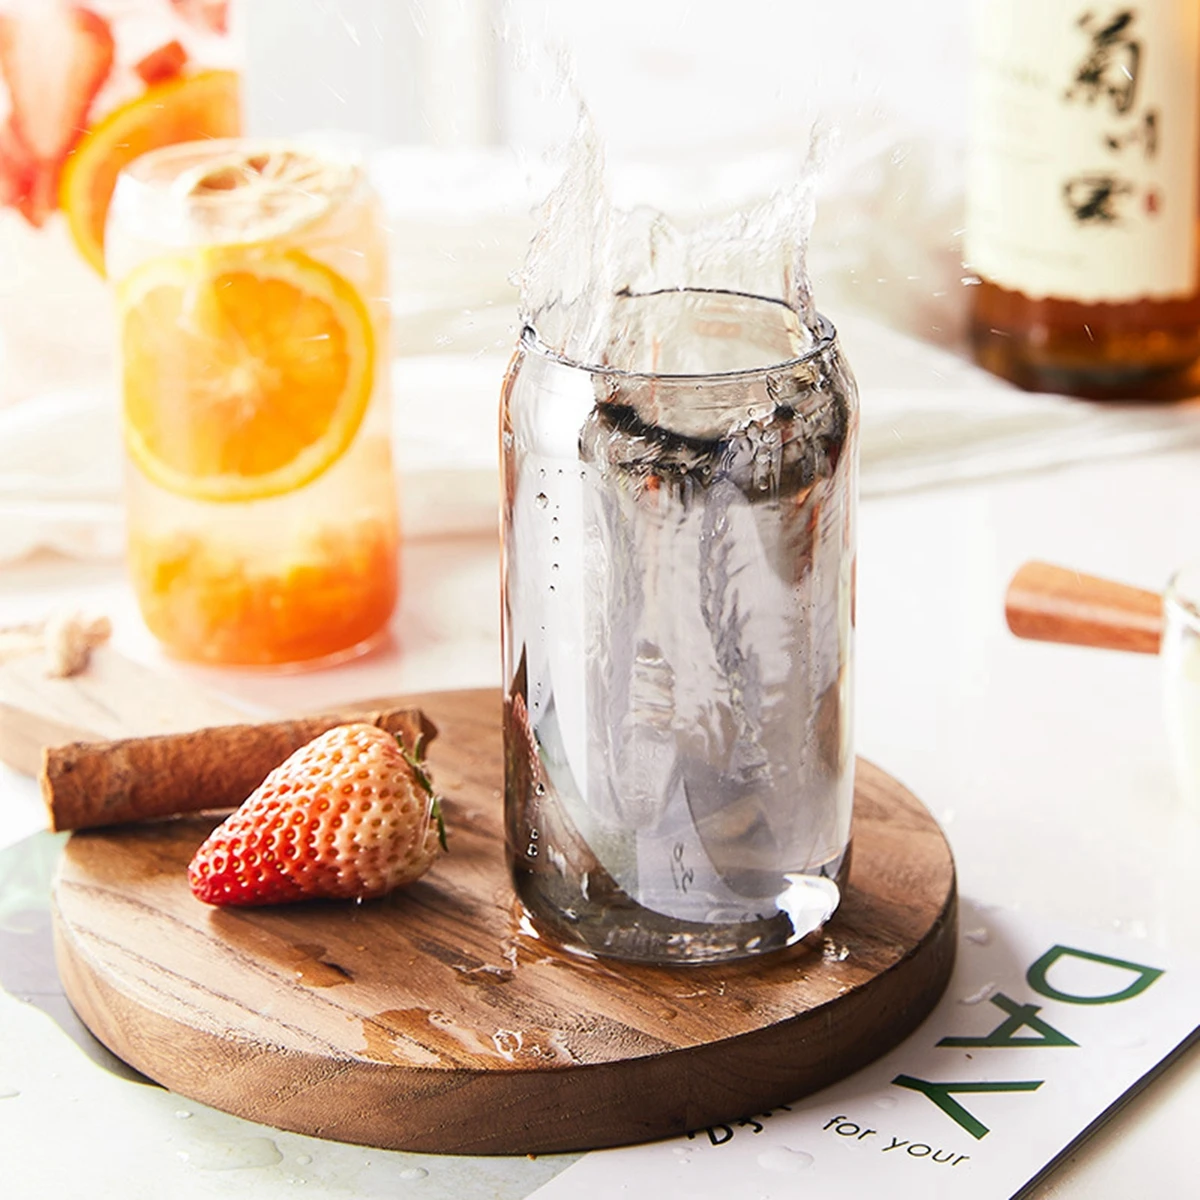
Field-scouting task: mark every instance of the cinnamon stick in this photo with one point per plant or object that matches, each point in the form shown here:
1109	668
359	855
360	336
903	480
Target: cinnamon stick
87	784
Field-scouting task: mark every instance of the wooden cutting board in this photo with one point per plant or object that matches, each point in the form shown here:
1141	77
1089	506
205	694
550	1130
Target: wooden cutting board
437	1020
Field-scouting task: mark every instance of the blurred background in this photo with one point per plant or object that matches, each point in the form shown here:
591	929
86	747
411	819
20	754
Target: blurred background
697	111
463	109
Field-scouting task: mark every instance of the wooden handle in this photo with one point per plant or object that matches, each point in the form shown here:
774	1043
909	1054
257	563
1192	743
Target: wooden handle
1046	603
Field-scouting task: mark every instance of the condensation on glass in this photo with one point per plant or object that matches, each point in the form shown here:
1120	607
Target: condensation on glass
677	623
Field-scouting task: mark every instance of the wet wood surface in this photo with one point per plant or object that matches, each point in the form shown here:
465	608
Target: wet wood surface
436	1020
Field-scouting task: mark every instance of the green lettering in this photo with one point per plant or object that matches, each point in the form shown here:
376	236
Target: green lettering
1020	1016
940	1094
1036	977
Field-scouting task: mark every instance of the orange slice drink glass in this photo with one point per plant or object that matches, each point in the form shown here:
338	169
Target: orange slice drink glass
251	289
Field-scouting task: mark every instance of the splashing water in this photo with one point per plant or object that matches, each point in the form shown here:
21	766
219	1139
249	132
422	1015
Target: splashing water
587	254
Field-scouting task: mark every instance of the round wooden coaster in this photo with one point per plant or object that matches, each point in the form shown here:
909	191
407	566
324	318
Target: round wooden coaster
433	1020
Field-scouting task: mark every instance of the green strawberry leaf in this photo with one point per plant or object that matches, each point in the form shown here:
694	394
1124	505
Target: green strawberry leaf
436	813
415	766
414	760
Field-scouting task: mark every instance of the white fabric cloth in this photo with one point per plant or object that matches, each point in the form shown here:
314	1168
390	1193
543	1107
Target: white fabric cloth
60	476
60	458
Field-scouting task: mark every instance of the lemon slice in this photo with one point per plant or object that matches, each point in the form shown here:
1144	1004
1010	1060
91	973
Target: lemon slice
246	371
256	191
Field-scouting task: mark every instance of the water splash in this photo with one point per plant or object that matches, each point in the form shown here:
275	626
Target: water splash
588	253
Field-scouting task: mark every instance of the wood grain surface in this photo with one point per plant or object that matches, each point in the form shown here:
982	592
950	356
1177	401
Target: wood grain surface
437	1020
1046	603
113	698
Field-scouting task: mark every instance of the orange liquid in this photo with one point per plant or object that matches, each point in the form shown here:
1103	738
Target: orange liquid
209	607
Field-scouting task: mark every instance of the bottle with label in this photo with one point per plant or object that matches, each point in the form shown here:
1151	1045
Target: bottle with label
1083	196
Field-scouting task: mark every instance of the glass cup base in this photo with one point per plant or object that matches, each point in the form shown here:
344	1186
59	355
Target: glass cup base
616	926
334	658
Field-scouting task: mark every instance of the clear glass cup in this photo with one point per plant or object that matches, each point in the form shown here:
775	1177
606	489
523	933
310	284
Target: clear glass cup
252	303
1181	676
678	575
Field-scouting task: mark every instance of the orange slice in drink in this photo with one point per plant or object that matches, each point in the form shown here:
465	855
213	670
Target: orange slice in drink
180	110
246	371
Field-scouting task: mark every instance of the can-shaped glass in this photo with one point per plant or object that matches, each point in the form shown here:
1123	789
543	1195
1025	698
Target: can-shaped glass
252	304
678	612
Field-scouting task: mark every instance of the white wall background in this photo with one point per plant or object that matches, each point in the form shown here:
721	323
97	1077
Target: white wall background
707	101
658	74
728	74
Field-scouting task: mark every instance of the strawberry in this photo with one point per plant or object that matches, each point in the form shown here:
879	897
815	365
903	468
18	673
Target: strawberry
54	58
212	16
164	63
352	815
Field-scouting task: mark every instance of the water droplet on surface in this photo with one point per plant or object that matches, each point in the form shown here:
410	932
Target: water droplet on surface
304	1159
539	789
414	1173
508	1042
979	996
541	500
8	1093
886	1102
234	1156
837	951
182	1114
979	936
785	1160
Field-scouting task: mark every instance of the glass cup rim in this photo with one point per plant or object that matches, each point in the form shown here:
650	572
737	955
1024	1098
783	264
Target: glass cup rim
136	172
824	335
1183	592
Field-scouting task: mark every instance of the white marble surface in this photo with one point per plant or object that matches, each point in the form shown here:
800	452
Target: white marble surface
1046	765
